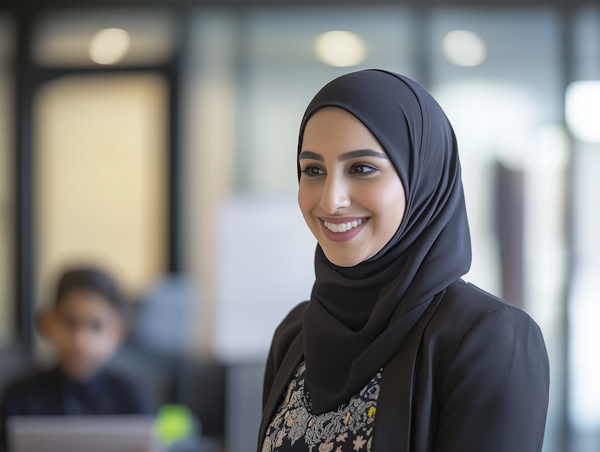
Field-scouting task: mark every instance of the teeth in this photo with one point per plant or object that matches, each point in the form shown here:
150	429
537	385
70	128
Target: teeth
343	227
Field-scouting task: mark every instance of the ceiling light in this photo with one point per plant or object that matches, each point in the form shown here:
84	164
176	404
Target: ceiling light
109	46
463	48
340	48
582	110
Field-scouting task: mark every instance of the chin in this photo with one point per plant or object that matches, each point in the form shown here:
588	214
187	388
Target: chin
342	259
80	371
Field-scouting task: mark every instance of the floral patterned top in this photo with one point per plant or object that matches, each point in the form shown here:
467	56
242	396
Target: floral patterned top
348	428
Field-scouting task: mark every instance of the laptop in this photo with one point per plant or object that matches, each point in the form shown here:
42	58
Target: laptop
81	434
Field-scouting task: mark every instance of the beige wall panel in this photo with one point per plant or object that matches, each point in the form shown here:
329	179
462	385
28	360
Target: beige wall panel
100	144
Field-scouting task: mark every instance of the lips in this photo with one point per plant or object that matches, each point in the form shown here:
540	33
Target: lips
342	229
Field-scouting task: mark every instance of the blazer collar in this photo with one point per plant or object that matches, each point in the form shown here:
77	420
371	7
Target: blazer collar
289	364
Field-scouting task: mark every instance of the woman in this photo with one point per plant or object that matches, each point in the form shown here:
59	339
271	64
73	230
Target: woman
394	352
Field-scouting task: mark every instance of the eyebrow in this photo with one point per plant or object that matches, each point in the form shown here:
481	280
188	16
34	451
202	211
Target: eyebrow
310	155
347	156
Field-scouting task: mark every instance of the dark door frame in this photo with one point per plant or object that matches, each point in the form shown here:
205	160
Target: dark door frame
27	79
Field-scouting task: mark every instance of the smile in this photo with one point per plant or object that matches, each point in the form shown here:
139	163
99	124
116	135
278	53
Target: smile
343	227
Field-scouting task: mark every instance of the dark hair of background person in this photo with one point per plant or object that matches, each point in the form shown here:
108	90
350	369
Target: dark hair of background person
92	280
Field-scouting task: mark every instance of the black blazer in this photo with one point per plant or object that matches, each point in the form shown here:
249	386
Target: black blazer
472	376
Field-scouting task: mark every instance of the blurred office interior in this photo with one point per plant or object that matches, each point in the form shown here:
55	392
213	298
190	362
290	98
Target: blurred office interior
157	139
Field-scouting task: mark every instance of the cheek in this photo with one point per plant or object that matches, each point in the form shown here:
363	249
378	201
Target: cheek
308	199
387	203
106	344
102	346
64	337
111	333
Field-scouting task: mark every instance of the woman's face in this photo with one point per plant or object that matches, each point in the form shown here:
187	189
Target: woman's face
350	194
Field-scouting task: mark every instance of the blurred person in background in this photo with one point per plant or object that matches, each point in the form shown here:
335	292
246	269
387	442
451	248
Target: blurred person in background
86	327
394	351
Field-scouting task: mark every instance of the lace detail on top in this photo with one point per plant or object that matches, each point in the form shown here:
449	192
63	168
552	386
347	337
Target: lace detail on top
348	428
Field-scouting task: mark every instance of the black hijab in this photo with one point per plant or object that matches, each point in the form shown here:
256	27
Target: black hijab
358	316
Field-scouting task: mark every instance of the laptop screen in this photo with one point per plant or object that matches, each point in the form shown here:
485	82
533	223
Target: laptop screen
81	434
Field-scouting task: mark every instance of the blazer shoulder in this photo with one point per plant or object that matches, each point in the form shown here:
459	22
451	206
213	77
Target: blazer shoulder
465	305
486	353
469	302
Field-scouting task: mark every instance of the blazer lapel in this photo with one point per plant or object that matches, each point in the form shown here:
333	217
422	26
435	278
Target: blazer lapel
289	364
394	405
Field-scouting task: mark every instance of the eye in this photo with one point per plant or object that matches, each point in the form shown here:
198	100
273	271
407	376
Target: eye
363	168
70	323
312	171
96	326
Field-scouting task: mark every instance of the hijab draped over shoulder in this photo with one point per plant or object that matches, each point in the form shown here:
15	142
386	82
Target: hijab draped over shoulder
358	317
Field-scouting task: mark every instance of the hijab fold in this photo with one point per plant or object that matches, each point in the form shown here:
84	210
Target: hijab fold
358	317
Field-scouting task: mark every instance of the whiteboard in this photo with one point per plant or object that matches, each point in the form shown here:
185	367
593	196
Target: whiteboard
264	267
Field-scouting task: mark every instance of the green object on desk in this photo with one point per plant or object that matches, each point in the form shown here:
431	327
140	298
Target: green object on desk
173	423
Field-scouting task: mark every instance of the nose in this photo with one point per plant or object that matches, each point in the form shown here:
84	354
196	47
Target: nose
335	194
82	338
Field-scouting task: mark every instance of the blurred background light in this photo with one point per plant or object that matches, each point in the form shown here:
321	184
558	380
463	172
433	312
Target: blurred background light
582	106
584	406
340	48
464	48
109	46
65	38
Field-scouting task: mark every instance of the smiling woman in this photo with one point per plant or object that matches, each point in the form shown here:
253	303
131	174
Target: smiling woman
347	179
394	351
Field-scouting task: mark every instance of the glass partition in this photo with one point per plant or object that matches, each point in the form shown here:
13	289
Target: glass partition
583	116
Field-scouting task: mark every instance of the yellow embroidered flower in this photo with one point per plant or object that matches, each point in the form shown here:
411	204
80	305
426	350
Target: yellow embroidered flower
371	412
347	418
